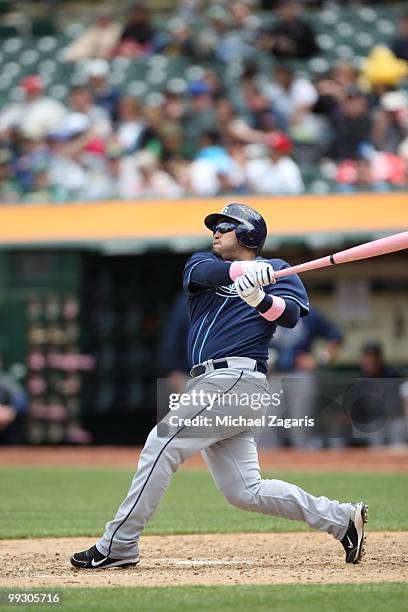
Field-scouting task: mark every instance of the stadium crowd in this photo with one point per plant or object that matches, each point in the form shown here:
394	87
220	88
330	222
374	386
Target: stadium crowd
263	136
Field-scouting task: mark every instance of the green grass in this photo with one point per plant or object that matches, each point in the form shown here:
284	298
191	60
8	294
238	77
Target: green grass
37	502
260	598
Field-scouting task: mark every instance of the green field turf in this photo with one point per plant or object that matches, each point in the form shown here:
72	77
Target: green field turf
262	598
37	502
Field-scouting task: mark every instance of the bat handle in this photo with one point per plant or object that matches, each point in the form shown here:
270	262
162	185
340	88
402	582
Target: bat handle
323	262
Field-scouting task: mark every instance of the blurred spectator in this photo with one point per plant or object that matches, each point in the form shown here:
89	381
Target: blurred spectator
173	346
373	364
37	115
294	348
390	121
238	40
332	89
151	181
232	126
65	169
373	171
173	106
210	36
9	188
11	16
387	423
291	96
352	125
399	45
292	36
155	123
403	154
276	173
237	181
98	41
358	175
104	95
131	124
78	163
138	34
216	83
31	154
267	5
294	363
172	140
41	190
263	113
213	170
120	175
179	40
13	407
81	100
200	115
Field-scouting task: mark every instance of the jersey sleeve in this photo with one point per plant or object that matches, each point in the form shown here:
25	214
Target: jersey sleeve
205	270
289	287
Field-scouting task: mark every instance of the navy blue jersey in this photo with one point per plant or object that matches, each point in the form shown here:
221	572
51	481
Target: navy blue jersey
222	324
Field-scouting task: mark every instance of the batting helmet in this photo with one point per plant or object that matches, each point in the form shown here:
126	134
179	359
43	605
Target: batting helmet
251	229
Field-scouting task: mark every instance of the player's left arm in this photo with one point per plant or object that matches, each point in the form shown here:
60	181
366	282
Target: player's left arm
280	311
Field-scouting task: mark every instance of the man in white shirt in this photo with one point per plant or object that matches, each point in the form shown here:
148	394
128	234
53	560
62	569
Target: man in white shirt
290	95
97	41
151	181
81	100
277	173
37	115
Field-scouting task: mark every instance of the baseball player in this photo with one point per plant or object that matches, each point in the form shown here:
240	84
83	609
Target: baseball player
235	306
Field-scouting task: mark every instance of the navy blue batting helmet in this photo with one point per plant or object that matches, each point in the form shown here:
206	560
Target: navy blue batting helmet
251	230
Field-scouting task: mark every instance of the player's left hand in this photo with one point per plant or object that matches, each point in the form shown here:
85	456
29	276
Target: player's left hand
261	270
249	290
264	274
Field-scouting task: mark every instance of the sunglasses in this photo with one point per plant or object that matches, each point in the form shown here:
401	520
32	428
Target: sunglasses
224	227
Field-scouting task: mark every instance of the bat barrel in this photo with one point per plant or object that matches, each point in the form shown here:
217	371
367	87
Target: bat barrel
390	244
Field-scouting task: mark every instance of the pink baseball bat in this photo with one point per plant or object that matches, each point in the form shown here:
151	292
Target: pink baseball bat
390	244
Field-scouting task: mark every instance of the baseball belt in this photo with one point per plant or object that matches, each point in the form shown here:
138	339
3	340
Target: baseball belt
238	363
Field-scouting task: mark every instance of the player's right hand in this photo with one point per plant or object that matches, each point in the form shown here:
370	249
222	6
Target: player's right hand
261	271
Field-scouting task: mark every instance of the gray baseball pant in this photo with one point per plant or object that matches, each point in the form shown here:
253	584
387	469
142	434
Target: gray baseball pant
231	456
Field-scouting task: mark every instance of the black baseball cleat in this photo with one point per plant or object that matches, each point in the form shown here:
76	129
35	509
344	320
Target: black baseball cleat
93	559
354	539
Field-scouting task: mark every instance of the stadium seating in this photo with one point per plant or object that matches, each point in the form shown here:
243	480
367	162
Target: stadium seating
343	34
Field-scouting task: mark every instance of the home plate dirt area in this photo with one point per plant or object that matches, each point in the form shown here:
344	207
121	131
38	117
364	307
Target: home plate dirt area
209	559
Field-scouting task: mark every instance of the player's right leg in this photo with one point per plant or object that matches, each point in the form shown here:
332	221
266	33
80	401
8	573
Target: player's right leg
165	449
158	461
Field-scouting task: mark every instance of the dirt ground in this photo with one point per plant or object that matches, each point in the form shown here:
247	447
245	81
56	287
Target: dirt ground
394	460
209	559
